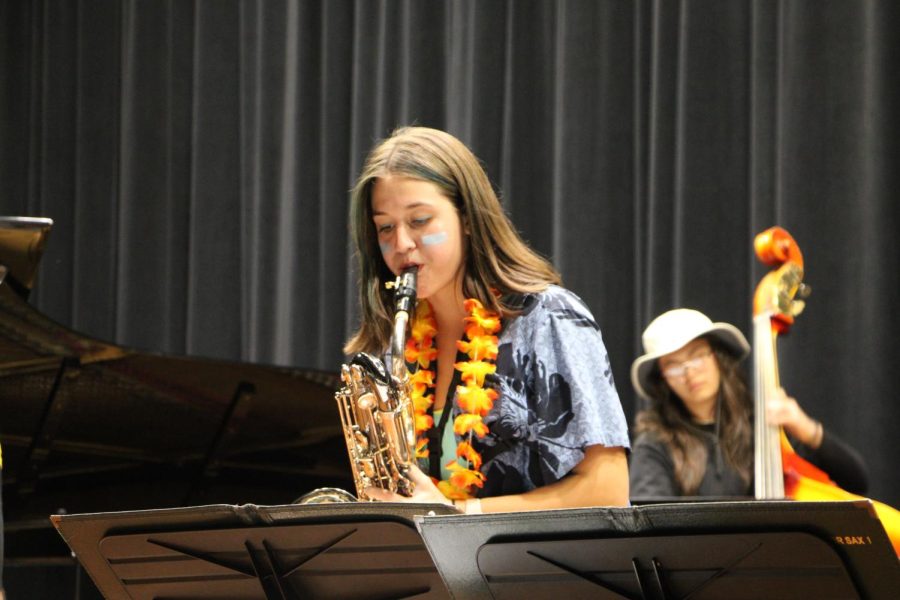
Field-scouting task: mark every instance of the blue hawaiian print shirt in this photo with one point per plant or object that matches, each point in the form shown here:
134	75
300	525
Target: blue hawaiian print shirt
557	395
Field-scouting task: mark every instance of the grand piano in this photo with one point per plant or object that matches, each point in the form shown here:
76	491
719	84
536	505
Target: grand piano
88	426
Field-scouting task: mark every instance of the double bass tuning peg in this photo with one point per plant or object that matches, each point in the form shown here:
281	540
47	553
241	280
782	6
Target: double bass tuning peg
797	305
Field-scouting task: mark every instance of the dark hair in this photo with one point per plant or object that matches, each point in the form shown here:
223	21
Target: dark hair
496	257
669	420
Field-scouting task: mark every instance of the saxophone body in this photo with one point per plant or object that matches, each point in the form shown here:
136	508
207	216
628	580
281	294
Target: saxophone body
375	404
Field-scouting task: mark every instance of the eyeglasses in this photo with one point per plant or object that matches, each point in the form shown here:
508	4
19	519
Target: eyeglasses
680	370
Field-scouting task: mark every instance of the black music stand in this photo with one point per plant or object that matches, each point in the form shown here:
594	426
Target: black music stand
702	550
354	551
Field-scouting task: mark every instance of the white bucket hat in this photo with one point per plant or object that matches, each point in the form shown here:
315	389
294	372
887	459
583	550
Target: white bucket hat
673	330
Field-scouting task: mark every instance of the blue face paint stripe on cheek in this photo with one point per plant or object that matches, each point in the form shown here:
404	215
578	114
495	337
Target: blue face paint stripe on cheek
434	238
385	248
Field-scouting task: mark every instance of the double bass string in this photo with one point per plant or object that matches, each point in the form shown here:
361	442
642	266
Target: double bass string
768	475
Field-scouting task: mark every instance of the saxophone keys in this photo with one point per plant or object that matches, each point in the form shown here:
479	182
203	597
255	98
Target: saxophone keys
362	441
368	468
367	401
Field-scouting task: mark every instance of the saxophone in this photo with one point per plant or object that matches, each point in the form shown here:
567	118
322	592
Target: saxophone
376	407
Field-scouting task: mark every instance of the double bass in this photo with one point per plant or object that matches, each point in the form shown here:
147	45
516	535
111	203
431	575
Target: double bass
779	472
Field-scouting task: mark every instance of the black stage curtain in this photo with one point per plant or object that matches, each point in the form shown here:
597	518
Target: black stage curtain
196	158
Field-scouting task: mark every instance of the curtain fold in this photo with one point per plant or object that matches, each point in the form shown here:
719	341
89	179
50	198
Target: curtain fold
197	157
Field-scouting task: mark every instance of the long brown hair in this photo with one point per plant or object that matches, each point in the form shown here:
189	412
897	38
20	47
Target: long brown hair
496	257
669	420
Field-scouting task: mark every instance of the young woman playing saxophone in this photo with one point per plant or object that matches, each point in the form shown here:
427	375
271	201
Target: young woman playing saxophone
515	403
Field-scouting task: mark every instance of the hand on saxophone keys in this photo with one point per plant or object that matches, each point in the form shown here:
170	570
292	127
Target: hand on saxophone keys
426	493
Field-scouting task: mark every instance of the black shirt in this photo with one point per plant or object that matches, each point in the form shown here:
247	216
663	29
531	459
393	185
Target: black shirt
652	471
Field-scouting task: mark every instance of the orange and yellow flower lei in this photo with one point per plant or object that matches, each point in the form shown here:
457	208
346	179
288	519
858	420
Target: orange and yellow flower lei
473	399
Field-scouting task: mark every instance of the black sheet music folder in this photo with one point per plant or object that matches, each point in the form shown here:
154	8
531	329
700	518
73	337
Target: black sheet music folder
354	551
699	551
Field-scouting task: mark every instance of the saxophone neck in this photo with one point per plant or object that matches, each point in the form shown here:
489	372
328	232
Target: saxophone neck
398	346
404	304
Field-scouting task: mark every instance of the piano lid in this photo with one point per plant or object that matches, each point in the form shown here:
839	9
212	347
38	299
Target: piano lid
22	241
88	426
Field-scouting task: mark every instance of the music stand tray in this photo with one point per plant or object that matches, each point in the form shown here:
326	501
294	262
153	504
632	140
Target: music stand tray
362	551
734	550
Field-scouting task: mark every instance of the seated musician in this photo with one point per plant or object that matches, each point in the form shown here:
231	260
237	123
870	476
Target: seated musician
516	407
695	437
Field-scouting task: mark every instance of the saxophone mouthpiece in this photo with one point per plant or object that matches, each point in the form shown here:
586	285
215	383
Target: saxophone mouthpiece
405	290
